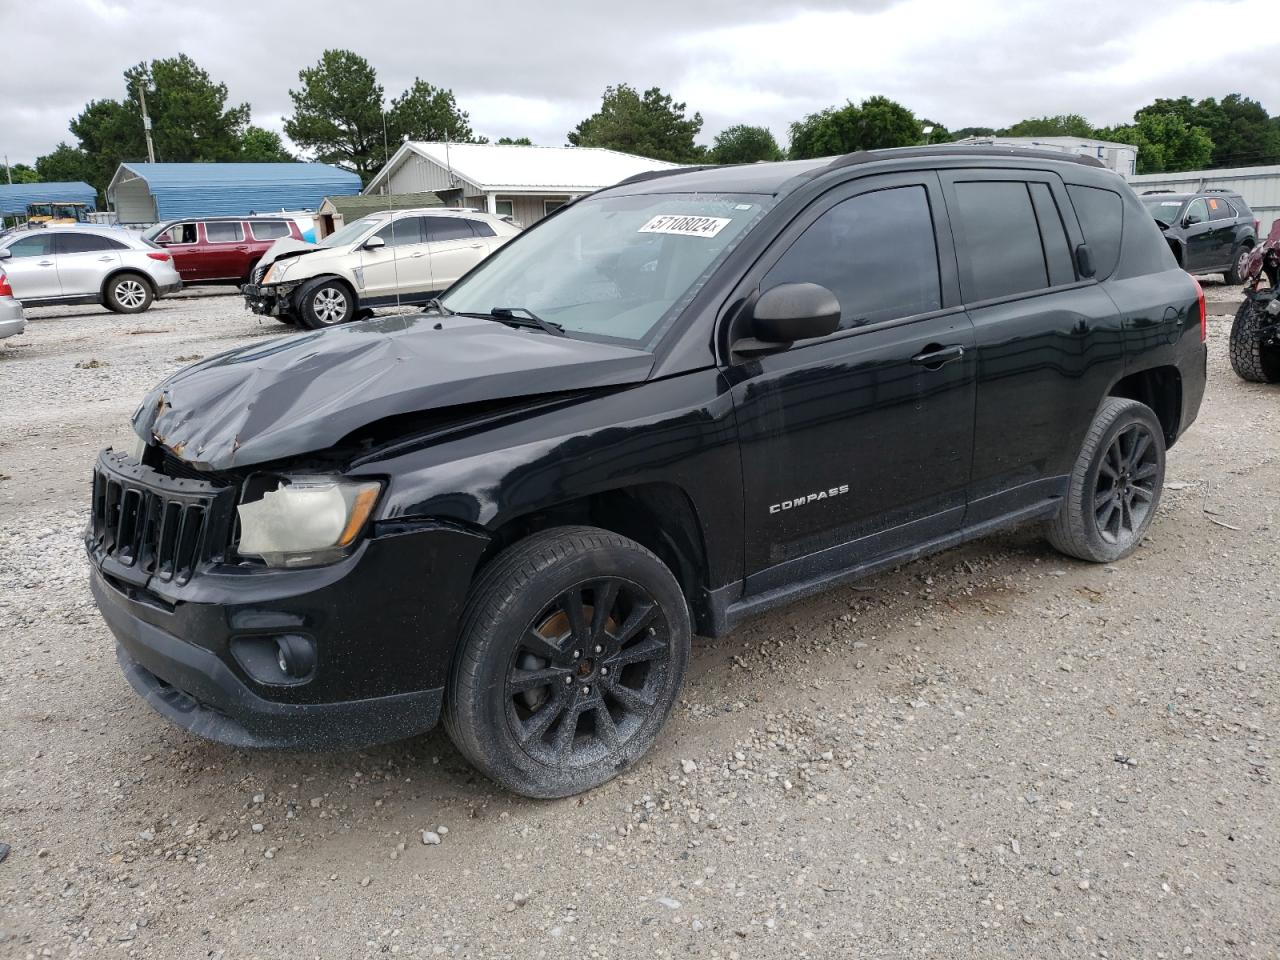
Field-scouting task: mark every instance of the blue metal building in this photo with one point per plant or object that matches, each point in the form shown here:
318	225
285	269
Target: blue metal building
14	197
151	192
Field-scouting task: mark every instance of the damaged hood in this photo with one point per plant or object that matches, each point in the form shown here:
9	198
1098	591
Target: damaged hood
302	394
287	247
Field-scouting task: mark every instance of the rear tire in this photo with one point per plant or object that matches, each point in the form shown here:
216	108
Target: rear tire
1114	489
128	293
548	695
1239	264
325	302
1251	359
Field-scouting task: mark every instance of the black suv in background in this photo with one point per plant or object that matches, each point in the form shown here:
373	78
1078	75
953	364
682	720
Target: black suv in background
670	405
1209	232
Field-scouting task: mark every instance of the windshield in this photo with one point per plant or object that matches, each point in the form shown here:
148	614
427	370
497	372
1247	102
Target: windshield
1162	208
350	233
612	266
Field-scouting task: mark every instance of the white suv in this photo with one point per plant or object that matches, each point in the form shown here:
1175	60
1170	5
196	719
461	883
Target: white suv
384	259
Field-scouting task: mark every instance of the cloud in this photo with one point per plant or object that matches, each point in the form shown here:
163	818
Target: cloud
535	70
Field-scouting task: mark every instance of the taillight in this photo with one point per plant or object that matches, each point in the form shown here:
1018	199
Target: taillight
162	257
5	289
1204	319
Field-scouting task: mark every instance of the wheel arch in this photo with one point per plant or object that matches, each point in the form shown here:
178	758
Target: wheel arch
1159	388
120	271
659	515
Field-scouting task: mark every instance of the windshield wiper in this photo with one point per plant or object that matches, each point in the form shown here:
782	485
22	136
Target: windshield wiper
515	317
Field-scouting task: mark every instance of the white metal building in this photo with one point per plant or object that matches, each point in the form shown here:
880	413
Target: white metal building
1260	187
526	183
1120	157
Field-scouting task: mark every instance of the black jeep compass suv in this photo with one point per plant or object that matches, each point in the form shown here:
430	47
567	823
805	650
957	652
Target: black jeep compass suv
672	404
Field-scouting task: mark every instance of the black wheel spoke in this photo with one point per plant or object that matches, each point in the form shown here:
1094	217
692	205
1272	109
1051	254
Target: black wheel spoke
1139	448
522	680
1143	494
543	647
1126	515
1146	471
641	614
602	600
606	729
563	745
628	698
571	604
542	719
1102	498
1105	514
651	649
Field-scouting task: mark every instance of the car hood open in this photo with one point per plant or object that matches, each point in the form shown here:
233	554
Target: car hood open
302	394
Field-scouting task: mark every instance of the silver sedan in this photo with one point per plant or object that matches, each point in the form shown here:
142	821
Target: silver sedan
106	265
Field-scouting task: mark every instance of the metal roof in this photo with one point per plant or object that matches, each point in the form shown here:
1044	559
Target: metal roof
361	204
514	168
235	189
14	197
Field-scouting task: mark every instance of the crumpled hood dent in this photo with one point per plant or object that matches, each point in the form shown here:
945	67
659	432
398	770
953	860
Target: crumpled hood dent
285	248
302	394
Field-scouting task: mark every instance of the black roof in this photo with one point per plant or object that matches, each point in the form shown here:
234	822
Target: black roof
786	175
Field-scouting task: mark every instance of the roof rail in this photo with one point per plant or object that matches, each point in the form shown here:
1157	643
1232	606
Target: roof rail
1218	190
962	150
1147	193
655	174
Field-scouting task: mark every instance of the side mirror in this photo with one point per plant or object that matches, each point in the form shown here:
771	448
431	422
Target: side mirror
794	311
5	253
1084	261
374	243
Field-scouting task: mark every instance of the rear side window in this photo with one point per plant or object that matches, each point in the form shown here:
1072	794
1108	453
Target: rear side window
269	229
481	229
85	243
447	228
1001	239
224	231
876	252
1101	215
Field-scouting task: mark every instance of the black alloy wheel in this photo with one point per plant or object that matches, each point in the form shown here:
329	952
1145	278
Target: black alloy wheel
1125	491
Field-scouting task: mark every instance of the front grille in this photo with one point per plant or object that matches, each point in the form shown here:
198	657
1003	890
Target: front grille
152	525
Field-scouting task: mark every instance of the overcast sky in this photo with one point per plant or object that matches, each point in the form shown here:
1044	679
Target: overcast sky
536	69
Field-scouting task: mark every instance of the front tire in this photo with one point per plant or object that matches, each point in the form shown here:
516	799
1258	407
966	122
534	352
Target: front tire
1114	489
1252	358
128	293
326	302
573	648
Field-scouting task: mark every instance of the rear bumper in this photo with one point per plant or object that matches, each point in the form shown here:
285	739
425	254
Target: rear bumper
164	289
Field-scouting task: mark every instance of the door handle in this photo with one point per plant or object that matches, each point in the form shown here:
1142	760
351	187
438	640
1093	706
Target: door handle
105	259
46	263
414	256
935	355
476	246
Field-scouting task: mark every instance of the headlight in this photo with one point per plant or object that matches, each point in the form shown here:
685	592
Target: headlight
275	273
306	521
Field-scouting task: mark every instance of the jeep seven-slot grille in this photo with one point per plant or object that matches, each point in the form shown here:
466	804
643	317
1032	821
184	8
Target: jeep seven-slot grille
152	528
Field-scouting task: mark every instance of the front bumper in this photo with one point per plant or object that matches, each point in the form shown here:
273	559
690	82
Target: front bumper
382	624
272	300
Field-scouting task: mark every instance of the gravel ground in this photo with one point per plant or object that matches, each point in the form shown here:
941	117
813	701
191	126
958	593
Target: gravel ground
994	752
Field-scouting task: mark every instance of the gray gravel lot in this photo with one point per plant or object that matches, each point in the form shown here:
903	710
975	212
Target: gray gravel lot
993	752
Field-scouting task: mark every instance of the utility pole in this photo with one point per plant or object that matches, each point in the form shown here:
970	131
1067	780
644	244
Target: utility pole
8	169
146	121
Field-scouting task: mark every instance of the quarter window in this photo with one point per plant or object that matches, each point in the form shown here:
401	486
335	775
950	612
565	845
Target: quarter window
1001	239
269	229
38	246
876	252
1101	215
224	231
481	229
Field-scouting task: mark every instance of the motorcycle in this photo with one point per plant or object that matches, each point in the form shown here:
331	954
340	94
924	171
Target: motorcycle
1255	332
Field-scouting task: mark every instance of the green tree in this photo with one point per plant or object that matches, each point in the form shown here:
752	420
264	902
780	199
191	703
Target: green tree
262	146
337	113
424	112
190	119
939	134
1063	125
651	124
65	163
1166	142
516	141
1242	133
742	143
18	173
874	124
965	132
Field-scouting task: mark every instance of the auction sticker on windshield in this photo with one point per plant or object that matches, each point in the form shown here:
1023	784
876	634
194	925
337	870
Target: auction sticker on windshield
685	226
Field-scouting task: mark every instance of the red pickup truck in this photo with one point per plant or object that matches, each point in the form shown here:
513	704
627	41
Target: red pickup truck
220	249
